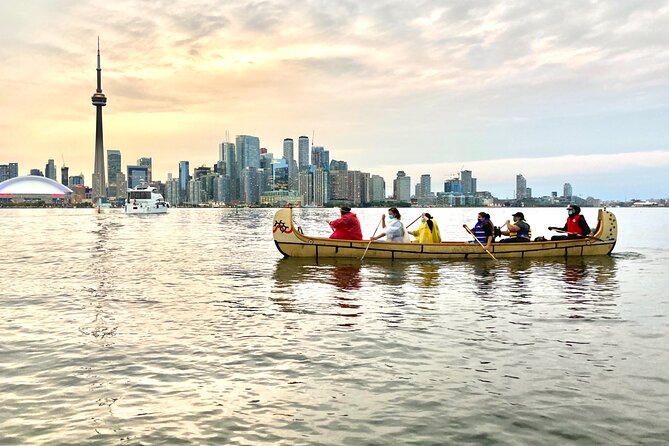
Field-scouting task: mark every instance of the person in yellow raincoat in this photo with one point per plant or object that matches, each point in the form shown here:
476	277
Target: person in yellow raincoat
428	231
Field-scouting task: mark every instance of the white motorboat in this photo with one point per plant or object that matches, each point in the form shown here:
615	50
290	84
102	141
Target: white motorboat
145	199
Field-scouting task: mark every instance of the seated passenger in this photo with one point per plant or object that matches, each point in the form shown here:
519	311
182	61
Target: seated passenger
518	231
347	227
428	231
395	231
576	226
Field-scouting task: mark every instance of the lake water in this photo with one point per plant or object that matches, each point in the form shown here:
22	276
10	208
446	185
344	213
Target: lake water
189	328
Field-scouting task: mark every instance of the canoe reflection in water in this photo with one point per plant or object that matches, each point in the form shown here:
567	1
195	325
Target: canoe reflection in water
588	286
343	274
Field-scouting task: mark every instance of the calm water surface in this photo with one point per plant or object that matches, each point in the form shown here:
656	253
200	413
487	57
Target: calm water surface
189	328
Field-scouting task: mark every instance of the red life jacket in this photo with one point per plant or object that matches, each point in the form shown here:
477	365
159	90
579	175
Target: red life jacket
572	224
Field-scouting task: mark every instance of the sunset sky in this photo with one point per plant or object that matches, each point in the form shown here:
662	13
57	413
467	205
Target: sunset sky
568	91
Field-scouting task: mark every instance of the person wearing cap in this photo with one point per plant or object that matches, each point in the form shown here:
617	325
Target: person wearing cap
347	227
518	231
576	226
428	231
395	231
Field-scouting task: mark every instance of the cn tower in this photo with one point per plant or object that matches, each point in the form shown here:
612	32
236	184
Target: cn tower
99	101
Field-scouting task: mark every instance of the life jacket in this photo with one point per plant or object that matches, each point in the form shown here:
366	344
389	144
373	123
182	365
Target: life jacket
478	231
522	233
572	224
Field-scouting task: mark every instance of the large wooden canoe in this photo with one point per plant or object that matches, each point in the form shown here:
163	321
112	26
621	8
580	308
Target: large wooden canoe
292	243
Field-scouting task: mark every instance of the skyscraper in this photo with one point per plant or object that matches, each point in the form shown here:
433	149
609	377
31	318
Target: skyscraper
113	169
64	175
13	170
248	151
184	178
402	187
521	187
148	163
468	183
425	187
50	170
99	100
288	150
567	191
303	151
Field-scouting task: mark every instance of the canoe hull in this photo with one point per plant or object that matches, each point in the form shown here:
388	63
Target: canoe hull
291	243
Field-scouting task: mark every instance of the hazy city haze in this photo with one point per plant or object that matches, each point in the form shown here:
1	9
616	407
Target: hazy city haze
572	91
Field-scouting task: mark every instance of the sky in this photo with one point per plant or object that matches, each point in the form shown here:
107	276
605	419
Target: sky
572	91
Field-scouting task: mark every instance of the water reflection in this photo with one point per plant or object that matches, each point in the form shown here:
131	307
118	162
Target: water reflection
343	274
102	327
589	285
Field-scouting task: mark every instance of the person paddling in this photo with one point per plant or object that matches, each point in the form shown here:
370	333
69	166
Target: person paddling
395	231
428	231
575	227
484	230
347	227
518	231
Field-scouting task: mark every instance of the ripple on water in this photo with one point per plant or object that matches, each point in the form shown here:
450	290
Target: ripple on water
173	330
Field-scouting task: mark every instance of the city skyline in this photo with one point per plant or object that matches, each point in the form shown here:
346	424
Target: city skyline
563	93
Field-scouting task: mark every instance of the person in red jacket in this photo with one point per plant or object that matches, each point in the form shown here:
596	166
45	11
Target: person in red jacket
347	227
576	226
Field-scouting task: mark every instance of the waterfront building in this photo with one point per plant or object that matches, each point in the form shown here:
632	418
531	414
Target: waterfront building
453	186
320	157
75	180
377	189
567	191
8	171
137	174
468	183
321	187
402	187
303	151
249	181
200	172
35	188
172	191
222	189
280	198
113	170
248	151
184	178
4	172
99	100
147	162
279	174
349	186
293	171
194	192
425	186
306	187
288	150
64	173
522	191
50	170
338	165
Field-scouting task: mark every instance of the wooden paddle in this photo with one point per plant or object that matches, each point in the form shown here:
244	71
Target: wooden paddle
479	242
552	228
370	239
417	218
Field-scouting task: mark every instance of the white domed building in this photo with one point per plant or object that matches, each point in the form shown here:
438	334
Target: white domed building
35	188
